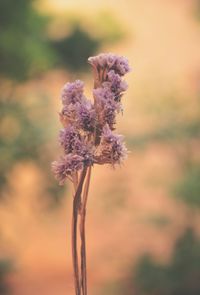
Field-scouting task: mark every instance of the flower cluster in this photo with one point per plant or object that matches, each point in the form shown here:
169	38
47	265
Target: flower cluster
87	136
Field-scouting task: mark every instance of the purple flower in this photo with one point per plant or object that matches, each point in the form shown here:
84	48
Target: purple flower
115	83
112	148
87	136
69	112
72	92
66	166
73	143
103	60
86	116
106	106
85	150
98	61
103	93
121	66
110	61
69	138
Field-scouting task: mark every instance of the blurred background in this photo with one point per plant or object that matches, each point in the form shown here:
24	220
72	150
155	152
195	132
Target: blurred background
143	219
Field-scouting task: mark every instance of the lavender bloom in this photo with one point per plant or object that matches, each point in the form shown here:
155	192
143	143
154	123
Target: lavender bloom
68	113
73	143
86	117
121	66
86	151
87	136
69	138
110	61
106	106
112	148
103	60
72	92
98	60
66	166
116	84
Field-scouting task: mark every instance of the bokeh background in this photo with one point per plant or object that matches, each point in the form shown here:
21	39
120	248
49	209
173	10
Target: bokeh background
143	221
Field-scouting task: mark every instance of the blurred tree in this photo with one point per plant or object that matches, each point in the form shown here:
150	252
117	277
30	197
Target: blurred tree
24	48
27	50
74	50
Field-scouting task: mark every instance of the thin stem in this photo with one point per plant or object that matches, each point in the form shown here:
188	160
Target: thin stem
76	205
82	234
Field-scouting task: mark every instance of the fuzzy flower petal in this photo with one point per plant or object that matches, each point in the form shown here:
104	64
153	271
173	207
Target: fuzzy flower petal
69	138
116	83
112	62
72	92
106	106
112	148
86	117
66	166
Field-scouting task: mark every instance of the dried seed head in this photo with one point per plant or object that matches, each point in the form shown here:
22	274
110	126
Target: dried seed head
112	148
72	92
86	116
69	138
110	61
87	136
66	166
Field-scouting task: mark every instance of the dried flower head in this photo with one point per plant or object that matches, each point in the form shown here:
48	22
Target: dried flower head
72	92
66	166
86	116
109	61
112	149
87	136
69	138
115	83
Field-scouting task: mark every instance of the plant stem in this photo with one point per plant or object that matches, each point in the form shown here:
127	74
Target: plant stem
82	234
76	206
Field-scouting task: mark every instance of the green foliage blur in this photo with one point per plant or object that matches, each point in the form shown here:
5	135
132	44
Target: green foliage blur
74	50
187	188
180	276
24	47
26	50
5	269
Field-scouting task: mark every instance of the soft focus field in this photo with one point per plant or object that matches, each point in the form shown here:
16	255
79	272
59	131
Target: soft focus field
143	233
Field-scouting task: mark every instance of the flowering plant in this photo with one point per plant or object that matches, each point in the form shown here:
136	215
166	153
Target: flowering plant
87	138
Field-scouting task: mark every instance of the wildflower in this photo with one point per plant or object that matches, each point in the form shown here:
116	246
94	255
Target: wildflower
66	166
69	138
86	116
112	148
106	106
116	84
110	61
121	66
72	92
